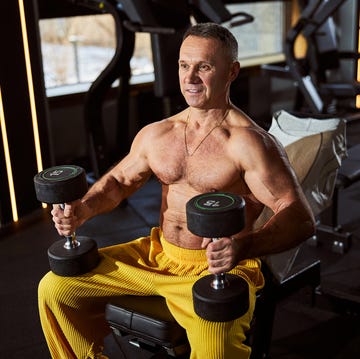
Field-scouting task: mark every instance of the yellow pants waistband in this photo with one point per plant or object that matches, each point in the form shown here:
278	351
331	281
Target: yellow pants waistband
179	254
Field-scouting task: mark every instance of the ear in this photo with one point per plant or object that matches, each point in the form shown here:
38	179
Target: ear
234	70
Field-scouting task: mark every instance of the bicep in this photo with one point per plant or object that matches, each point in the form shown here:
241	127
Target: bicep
270	177
134	170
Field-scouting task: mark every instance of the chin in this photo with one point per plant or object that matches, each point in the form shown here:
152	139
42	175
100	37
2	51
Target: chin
194	102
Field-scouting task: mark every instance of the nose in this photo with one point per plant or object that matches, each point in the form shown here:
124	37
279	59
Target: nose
192	76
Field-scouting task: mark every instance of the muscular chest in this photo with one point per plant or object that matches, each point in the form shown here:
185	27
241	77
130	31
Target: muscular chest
209	168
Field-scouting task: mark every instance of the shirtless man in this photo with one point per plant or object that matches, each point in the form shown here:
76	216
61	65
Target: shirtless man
210	146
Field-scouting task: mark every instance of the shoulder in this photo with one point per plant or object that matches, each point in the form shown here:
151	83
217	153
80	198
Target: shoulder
159	128
158	132
251	143
247	133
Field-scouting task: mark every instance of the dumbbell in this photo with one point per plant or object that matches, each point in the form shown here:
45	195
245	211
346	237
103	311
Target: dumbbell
218	297
59	185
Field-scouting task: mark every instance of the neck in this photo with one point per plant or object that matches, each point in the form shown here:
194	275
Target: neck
218	123
198	118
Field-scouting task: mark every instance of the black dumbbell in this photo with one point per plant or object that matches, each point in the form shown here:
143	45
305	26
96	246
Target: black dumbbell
60	185
219	297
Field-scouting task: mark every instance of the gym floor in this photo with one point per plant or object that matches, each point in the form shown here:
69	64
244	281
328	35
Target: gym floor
330	329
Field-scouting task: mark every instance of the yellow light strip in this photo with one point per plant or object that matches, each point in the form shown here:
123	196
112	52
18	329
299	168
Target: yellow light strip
30	86
8	161
358	68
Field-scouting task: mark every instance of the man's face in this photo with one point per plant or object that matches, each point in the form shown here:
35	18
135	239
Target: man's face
205	72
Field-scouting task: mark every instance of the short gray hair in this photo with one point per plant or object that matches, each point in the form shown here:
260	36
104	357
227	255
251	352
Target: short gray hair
210	30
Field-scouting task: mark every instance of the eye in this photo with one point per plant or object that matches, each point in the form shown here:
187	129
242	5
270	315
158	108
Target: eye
183	66
204	67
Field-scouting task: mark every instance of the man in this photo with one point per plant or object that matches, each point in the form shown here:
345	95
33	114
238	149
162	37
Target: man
210	146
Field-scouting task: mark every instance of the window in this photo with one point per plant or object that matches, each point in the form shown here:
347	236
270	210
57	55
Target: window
262	40
76	49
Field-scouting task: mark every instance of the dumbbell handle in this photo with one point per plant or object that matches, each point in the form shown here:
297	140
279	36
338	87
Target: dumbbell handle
220	281
71	241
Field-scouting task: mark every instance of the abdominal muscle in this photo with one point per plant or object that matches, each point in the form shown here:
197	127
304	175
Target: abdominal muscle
173	216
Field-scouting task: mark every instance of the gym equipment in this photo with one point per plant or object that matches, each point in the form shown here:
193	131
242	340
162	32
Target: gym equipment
316	90
117	69
324	98
146	322
59	185
349	173
219	297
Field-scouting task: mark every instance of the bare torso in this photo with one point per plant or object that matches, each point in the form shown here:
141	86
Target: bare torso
212	167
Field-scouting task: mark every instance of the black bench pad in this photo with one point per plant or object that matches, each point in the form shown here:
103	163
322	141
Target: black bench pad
151	321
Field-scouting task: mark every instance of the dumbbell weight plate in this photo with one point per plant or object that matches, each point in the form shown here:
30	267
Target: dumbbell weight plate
221	305
215	214
74	261
60	184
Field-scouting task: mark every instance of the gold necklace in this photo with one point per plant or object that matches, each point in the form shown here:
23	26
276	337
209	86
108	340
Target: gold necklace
206	136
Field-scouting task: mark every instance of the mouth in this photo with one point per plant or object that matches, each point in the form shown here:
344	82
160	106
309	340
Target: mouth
193	91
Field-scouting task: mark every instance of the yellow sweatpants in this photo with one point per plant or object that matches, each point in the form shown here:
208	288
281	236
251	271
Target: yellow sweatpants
72	308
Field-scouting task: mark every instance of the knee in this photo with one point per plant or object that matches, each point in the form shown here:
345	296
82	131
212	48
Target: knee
44	285
50	288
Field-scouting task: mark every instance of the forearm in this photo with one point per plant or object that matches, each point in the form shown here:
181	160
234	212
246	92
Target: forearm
108	192
105	195
101	197
284	230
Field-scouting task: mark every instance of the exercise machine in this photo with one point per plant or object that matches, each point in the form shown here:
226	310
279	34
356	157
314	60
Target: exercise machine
311	74
319	95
